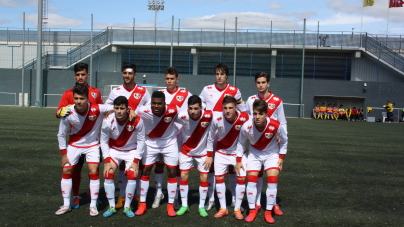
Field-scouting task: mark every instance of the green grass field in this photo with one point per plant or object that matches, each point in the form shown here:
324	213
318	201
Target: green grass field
335	174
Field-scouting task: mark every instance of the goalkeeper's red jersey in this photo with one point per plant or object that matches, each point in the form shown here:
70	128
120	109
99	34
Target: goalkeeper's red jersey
94	97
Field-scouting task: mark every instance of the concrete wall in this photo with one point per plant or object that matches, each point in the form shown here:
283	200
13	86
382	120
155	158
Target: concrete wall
57	81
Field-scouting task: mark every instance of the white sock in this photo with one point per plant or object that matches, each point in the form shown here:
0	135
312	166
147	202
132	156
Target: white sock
203	191
158	180
144	187
211	188
172	189
94	190
66	186
259	191
109	188
271	195
251	194
232	185
184	193
130	192
221	194
240	191
123	181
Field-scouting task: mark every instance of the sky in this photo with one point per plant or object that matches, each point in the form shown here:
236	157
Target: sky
327	15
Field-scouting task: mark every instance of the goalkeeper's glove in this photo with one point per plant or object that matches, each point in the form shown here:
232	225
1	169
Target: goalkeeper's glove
65	111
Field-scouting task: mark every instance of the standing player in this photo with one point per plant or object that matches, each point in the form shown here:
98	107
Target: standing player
194	133
212	97
94	96
174	96
226	127
275	111
264	151
161	139
85	121
121	141
137	96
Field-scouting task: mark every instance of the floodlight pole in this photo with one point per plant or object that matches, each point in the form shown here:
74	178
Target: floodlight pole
172	40
302	78
38	89
235	54
155	5
91	53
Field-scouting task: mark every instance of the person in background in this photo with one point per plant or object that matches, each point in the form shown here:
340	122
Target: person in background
354	114
335	112
348	114
360	113
341	112
323	111
316	111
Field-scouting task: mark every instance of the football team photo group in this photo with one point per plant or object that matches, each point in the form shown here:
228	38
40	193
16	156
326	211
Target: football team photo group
135	135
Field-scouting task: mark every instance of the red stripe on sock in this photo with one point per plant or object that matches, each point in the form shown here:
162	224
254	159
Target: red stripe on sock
172	180
145	178
94	176
239	181
130	174
219	181
204	183
110	176
183	182
66	175
272	179
252	178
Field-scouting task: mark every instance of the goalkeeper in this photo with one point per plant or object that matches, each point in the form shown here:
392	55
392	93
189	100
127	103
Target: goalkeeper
94	96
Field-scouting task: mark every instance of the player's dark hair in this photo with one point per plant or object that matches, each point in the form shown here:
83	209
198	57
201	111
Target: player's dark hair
80	67
262	74
329	104
229	99
80	89
221	67
121	100
340	106
159	95
172	71
129	65
194	99
260	106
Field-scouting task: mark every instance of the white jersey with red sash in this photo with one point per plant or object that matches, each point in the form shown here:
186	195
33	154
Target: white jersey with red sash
84	128
126	137
138	96
194	133
263	143
226	133
212	97
179	98
275	107
160	131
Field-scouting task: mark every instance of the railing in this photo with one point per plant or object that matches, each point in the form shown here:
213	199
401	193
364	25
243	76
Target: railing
384	53
79	52
32	64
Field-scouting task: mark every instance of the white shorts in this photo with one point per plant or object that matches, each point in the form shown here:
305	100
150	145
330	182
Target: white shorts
256	162
74	153
187	163
122	156
170	155
222	163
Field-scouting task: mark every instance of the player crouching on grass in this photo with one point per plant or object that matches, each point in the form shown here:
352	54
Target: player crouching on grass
85	120
264	150
121	141
194	133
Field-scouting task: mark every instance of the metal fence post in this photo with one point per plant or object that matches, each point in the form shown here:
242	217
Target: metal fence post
179	21
342	39
224	33
270	36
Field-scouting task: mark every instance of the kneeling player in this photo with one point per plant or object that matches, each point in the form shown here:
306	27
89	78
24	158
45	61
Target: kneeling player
85	120
194	133
262	133
121	141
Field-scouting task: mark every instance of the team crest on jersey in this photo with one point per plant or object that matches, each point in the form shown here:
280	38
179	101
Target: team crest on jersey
93	109
137	95
238	127
268	135
92	117
94	95
271	106
204	124
180	98
167	119
271	128
130	128
207	115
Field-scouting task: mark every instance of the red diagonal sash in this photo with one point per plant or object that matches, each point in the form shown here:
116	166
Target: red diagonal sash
89	122
126	133
179	98
267	135
227	91
233	133
272	104
165	121
198	132
136	96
